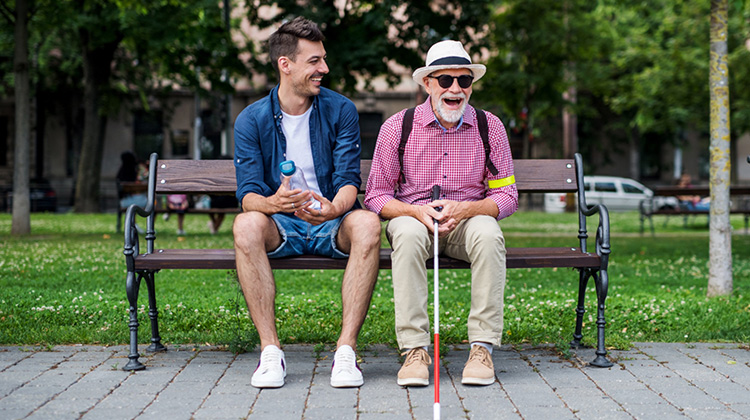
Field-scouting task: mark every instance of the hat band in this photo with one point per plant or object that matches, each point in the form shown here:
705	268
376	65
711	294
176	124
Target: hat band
448	61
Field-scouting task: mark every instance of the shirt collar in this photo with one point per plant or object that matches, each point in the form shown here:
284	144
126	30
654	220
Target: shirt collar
425	116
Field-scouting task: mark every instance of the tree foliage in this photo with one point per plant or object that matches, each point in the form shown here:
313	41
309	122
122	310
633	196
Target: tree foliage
106	50
537	46
639	68
364	38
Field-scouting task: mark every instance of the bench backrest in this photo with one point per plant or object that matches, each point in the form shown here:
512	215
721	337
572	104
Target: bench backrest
217	176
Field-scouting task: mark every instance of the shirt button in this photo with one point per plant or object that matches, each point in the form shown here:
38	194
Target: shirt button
445	154
445	176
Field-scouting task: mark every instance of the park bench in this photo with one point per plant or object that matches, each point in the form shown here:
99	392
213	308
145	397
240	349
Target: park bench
218	177
655	206
124	188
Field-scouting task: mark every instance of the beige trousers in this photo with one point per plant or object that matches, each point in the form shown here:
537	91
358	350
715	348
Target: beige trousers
478	240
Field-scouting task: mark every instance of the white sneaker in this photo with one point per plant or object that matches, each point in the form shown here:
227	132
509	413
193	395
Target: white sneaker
345	371
271	369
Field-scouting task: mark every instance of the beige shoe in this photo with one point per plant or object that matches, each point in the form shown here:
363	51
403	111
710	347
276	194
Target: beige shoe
479	369
415	371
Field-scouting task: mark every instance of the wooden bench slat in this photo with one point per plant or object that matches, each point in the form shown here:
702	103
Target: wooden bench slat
217	176
224	259
179	176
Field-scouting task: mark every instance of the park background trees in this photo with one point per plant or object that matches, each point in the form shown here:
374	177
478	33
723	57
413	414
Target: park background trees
609	77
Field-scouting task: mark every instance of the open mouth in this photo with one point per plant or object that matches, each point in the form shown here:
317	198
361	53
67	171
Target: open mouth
453	102
317	79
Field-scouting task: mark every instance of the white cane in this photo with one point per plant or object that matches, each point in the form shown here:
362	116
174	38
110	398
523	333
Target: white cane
436	314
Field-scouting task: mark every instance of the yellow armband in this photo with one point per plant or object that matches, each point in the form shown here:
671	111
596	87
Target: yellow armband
503	182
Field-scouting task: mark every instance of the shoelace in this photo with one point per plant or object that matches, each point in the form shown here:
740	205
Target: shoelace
345	361
417	355
480	354
270	360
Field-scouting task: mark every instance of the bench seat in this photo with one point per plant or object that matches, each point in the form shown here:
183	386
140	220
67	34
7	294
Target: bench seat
223	259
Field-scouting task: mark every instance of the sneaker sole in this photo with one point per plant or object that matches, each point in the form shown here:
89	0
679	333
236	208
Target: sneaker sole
413	382
269	384
477	381
347	384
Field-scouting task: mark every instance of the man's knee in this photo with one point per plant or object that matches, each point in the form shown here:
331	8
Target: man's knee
363	226
251	229
406	229
485	232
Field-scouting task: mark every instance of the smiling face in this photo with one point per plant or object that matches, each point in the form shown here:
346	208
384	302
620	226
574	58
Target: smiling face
305	71
449	103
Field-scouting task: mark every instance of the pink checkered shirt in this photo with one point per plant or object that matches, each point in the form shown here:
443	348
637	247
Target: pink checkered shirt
453	159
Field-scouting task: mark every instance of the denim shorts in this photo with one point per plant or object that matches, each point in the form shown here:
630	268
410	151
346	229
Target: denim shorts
301	238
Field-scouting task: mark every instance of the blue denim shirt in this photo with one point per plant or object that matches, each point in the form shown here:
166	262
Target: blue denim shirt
260	145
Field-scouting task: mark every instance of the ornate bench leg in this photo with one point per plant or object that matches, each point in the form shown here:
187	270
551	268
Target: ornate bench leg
153	314
133	282
602	284
580	309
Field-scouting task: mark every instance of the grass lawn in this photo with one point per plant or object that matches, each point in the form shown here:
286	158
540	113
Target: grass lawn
65	283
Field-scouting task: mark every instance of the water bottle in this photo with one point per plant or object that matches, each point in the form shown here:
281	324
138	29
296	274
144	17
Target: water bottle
294	178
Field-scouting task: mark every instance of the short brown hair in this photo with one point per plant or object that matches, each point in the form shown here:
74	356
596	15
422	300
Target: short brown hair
283	42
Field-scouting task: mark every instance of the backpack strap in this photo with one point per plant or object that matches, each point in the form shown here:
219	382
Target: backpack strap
405	132
484	133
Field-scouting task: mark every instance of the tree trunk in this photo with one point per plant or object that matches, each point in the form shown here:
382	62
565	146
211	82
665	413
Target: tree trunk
21	224
97	62
720	233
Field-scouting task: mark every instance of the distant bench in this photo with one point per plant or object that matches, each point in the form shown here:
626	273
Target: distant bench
126	188
217	177
655	206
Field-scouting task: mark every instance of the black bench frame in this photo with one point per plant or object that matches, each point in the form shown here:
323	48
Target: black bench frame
217	177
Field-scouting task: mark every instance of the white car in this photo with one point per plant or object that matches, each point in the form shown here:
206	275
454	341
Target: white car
618	194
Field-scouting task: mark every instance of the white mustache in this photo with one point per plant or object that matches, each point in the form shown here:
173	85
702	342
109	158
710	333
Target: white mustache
448	95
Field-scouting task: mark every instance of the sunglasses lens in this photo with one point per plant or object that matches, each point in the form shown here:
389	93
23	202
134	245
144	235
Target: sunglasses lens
445	81
464	81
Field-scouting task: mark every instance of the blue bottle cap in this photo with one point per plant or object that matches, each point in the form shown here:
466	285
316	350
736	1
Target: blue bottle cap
287	167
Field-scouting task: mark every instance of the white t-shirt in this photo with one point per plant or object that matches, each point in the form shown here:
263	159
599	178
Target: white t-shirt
296	129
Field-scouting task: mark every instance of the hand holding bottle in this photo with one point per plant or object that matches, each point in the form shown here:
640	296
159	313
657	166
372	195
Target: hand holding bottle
294	179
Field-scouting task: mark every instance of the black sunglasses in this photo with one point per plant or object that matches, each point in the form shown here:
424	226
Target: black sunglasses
445	81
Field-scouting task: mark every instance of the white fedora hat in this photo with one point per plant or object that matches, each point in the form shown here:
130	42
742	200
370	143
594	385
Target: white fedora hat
447	55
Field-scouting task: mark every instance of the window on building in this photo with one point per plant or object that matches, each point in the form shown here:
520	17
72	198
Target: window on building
211	139
148	133
369	126
180	143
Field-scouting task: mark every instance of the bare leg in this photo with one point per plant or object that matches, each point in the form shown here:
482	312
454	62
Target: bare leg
359	236
218	219
255	234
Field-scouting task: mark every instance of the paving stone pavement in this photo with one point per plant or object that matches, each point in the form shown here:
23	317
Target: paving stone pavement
649	381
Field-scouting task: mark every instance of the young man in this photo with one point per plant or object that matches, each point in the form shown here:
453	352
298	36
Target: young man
445	148
319	130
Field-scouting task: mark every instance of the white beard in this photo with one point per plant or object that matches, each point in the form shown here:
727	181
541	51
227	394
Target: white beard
449	115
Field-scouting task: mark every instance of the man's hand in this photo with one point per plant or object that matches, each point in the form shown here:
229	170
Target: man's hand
428	213
328	211
289	201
